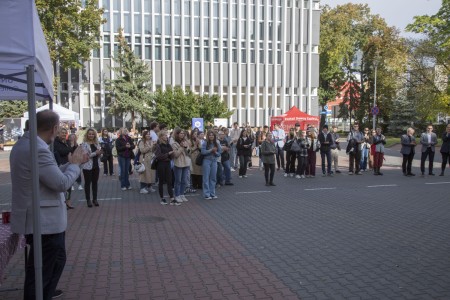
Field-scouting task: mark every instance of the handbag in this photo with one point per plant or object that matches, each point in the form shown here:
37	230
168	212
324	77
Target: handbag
140	168
154	163
295	147
199	160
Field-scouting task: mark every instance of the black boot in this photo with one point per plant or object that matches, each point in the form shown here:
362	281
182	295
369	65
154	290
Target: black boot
442	173
95	202
89	203
375	171
379	173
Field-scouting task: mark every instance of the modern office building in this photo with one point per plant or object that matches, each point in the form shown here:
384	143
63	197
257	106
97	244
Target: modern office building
261	56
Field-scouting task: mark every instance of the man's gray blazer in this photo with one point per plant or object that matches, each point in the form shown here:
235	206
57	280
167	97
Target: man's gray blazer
424	141
53	182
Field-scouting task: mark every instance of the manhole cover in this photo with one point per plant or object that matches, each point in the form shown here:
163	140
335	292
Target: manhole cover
146	219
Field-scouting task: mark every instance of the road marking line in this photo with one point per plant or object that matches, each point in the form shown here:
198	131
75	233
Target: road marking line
102	199
4	204
5	184
318	189
255	192
437	182
381	185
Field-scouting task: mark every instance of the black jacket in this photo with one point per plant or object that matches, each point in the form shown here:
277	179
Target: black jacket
445	148
162	152
241	150
322	139
121	148
61	151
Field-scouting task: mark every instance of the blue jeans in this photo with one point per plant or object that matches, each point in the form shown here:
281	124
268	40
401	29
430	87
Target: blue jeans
53	262
209	170
124	164
226	175
364	156
234	160
181	180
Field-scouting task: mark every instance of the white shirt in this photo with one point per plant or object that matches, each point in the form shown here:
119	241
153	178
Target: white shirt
278	136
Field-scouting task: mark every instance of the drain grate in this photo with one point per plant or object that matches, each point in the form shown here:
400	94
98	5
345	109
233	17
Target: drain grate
146	219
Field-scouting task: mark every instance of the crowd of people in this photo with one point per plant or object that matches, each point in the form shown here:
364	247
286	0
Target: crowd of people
187	161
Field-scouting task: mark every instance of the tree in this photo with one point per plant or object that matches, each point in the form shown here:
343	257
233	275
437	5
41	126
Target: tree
175	107
12	109
131	88
351	40
403	114
71	28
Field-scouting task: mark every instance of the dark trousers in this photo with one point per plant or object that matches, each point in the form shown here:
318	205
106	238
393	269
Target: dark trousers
445	157
378	159
280	157
165	176
423	158
355	159
197	181
407	163
219	173
327	155
108	165
91	177
267	168
302	163
243	163
53	262
290	161
311	165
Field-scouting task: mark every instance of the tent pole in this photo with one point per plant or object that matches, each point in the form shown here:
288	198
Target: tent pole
37	242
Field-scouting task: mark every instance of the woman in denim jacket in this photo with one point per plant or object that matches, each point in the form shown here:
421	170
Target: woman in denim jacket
211	150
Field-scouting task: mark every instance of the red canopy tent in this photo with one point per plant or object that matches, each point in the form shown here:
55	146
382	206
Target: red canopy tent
294	115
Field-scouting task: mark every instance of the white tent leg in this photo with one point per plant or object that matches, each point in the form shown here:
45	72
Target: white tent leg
37	243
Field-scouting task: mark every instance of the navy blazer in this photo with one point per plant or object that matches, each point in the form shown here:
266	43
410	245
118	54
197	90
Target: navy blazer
445	148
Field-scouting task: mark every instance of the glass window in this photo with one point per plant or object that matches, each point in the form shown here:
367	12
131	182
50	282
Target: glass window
216	54
116	21
234	11
252	30
96	53
127	23
261	30
158	52
234	30
177	25
106	5
225	29
147	6
206	54
187	7
187	53
187	26
127	5
157	6
137	23
225	55
197	27
225	10
216	28
177	53
116	4
137	5
167	6
107	25
197	9
253	12
270	31
261	12
243	29
167	28
147	24
244	11
252	56
148	52
97	99
137	39
216	10
243	56
197	54
187	42
138	50
261	56
107	99
206	9
206	27
234	55
177	7
167	53
279	32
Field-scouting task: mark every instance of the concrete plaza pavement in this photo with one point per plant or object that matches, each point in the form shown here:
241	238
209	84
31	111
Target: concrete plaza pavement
341	237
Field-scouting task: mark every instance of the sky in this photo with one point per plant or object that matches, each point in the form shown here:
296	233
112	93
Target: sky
398	13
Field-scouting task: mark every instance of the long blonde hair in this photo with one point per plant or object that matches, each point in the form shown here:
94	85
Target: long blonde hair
85	138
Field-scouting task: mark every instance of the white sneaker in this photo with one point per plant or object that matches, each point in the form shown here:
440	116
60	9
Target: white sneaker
178	199
129	188
183	197
285	174
233	169
292	174
240	176
151	190
298	176
303	176
143	191
124	189
245	176
80	187
73	188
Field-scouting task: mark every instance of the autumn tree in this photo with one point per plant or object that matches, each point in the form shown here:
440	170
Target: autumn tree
131	87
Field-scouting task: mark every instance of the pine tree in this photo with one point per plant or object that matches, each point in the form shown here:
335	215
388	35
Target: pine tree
131	88
403	114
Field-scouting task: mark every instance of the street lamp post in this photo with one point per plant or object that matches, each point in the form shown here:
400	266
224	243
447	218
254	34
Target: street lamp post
375	93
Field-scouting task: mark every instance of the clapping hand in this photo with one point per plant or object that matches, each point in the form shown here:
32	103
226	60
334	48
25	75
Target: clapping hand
79	156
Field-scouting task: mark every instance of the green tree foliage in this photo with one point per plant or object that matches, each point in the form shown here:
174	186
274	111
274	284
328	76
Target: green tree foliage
351	40
131	88
13	109
175	107
430	61
71	28
403	114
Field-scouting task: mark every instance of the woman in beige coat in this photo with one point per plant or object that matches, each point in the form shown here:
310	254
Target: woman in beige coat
196	171
147	147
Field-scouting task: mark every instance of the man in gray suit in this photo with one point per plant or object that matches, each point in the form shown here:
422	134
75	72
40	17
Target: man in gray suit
408	150
53	182
428	140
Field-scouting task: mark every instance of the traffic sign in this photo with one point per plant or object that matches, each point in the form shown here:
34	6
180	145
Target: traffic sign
325	107
375	110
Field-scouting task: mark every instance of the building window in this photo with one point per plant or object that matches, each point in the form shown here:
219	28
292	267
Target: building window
206	54
147	6
187	53
178	53
137	24
147	24
177	25
157	52
168	53
187	26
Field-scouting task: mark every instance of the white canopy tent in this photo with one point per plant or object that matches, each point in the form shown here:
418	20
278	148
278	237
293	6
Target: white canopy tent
65	115
26	73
